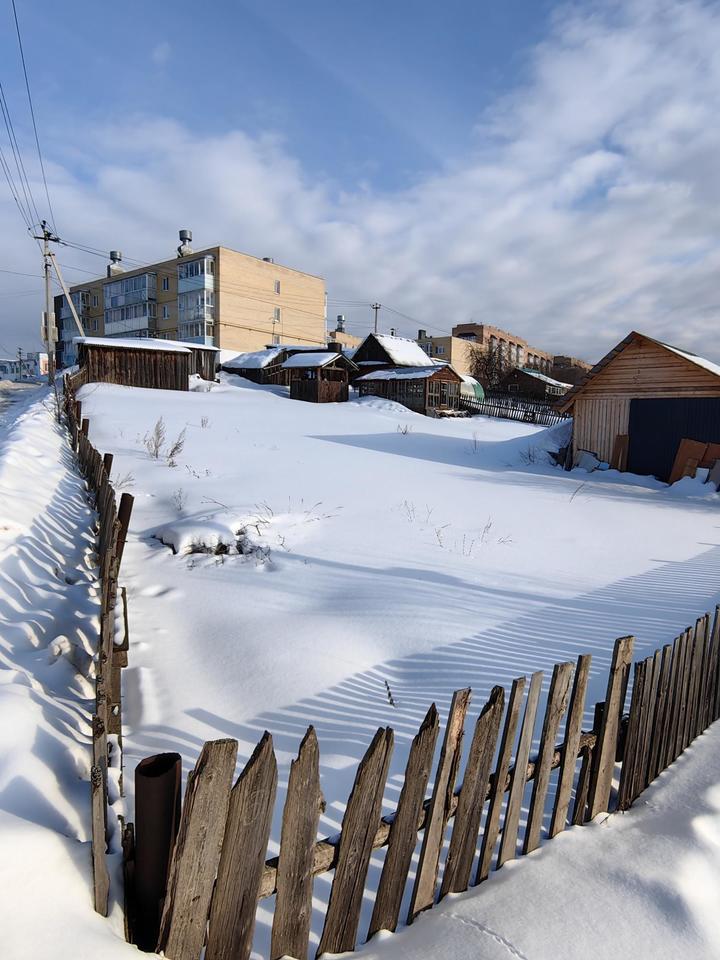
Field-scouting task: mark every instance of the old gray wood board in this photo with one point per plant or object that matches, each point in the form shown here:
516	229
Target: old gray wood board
508	841
466	824
604	766
404	829
423	894
360	823
554	712
301	814
244	847
497	787
197	852
573	729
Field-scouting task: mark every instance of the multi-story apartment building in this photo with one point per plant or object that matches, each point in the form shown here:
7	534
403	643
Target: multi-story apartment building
453	350
514	351
216	296
570	369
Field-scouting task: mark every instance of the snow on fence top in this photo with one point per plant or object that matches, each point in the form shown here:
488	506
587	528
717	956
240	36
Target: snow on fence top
137	343
310	359
406	373
402	351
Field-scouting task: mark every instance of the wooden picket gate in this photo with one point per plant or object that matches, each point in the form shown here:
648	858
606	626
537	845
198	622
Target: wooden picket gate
112	527
217	868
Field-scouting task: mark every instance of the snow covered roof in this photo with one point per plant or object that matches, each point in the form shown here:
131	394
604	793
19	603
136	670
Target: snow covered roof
404	373
135	343
694	358
402	351
257	360
545	379
320	359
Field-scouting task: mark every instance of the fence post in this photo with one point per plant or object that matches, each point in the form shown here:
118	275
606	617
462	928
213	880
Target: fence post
603	768
157	818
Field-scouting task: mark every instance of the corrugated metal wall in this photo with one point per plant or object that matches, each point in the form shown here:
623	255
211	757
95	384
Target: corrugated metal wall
656	428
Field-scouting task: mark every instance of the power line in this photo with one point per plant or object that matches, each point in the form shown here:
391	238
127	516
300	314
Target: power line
32	114
19	165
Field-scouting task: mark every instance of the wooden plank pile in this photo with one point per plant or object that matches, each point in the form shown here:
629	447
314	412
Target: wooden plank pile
112	526
218	871
692	454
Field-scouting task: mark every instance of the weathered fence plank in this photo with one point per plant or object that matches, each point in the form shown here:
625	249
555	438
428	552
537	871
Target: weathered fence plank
632	738
232	914
303	805
101	878
360	823
404	829
423	893
197	852
508	841
466	826
686	665
554	712
497	787
604	765
582	791
573	729
660	720
652	668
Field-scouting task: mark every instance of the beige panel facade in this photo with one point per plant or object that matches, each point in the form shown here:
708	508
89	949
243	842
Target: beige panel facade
452	350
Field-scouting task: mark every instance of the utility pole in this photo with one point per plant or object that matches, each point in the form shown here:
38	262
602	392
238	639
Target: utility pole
49	329
376	307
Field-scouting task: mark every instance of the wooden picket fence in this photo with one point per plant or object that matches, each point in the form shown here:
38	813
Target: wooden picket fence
511	408
218	871
112	527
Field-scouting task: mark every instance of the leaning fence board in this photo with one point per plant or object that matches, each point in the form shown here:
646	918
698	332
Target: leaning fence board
554	712
303	805
101	878
508	842
652	668
582	790
660	720
670	722
685	665
234	903
472	796
603	767
360	822
197	852
497	787
403	832
714	662
633	737
573	729
423	893
701	637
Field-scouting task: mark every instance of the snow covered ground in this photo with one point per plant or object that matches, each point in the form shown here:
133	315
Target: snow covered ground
364	545
361	545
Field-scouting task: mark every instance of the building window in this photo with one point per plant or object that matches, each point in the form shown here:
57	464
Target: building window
196	268
166	312
276	316
277	286
439	351
95	300
166	283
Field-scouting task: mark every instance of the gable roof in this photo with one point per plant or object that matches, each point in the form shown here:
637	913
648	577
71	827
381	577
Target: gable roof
569	399
545	379
401	351
319	359
135	343
408	373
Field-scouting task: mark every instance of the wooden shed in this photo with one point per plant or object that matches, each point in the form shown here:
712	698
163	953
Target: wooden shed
533	385
380	351
265	366
427	389
136	362
320	377
636	405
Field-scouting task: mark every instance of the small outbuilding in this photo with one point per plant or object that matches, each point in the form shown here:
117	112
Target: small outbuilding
429	389
640	401
265	366
136	362
533	385
319	377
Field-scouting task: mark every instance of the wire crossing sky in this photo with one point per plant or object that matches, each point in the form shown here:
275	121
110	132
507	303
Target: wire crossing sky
548	168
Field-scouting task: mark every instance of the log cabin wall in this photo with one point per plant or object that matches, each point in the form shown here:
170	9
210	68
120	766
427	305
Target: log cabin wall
154	369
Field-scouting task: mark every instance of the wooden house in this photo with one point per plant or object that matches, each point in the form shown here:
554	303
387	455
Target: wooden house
636	405
265	366
429	389
319	377
532	385
136	362
379	351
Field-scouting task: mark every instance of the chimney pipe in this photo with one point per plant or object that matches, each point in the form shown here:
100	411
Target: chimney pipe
185	243
115	265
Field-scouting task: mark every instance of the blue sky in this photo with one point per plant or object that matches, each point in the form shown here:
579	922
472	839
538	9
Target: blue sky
550	168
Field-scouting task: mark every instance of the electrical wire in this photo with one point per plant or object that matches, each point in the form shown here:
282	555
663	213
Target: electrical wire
19	165
32	114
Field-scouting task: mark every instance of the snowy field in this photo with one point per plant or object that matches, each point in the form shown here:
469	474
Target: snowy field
352	547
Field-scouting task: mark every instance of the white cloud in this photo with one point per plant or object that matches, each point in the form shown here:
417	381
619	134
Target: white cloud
589	206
